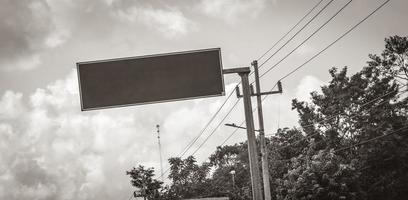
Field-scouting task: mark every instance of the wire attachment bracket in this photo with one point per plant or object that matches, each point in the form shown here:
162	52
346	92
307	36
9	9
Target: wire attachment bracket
253	93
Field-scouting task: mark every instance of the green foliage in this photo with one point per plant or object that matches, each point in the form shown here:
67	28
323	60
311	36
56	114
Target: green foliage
142	179
225	160
189	180
321	176
394	59
347	111
324	158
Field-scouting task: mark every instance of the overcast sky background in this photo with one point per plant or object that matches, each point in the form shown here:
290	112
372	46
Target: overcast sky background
49	149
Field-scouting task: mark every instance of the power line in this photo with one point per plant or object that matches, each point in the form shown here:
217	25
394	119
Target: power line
205	127
313	57
339	38
189	146
191	143
206	139
346	33
287	33
331	44
236	129
220	123
296	35
345	148
365	104
215	129
291	38
312	124
360	143
372	139
309	136
310	36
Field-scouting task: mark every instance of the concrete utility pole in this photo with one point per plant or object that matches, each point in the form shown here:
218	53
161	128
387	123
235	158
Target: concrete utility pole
264	150
252	151
161	162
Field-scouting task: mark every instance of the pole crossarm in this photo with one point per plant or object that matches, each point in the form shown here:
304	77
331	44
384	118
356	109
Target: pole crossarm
238	70
255	94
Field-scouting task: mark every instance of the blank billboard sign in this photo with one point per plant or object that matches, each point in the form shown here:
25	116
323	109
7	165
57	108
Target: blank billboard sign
150	79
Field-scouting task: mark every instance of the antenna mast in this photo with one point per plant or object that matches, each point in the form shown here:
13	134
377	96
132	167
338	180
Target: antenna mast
158	140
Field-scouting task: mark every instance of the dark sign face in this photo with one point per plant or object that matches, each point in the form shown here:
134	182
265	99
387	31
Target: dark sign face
150	79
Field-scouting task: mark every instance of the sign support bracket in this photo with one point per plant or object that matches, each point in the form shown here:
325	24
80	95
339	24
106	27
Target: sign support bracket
252	150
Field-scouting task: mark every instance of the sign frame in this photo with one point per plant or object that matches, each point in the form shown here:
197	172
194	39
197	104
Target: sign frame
150	56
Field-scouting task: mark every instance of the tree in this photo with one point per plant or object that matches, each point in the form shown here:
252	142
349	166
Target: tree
142	179
348	111
224	160
352	143
394	59
189	180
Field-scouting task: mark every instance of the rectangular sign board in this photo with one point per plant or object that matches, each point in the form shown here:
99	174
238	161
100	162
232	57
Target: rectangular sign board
150	79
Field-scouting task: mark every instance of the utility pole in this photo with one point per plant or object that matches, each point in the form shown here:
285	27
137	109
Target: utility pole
252	151
161	162
264	150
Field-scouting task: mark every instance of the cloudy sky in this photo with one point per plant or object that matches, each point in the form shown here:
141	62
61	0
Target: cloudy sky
49	149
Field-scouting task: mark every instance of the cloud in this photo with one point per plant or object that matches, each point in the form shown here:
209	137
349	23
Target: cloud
11	105
26	29
30	29
171	23
231	10
278	108
49	149
307	85
58	37
52	151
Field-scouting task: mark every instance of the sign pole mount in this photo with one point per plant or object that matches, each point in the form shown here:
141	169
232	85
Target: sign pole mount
249	119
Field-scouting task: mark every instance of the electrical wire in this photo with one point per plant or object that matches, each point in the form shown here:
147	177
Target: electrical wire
316	55
360	143
206	139
196	138
312	124
365	104
236	129
335	41
370	140
206	126
281	48
215	129
307	39
300	30
293	27
331	44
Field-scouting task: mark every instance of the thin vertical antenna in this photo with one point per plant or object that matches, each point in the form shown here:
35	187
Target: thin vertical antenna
161	162
279	105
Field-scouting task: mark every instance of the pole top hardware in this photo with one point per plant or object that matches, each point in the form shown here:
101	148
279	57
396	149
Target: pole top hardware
253	93
236	70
